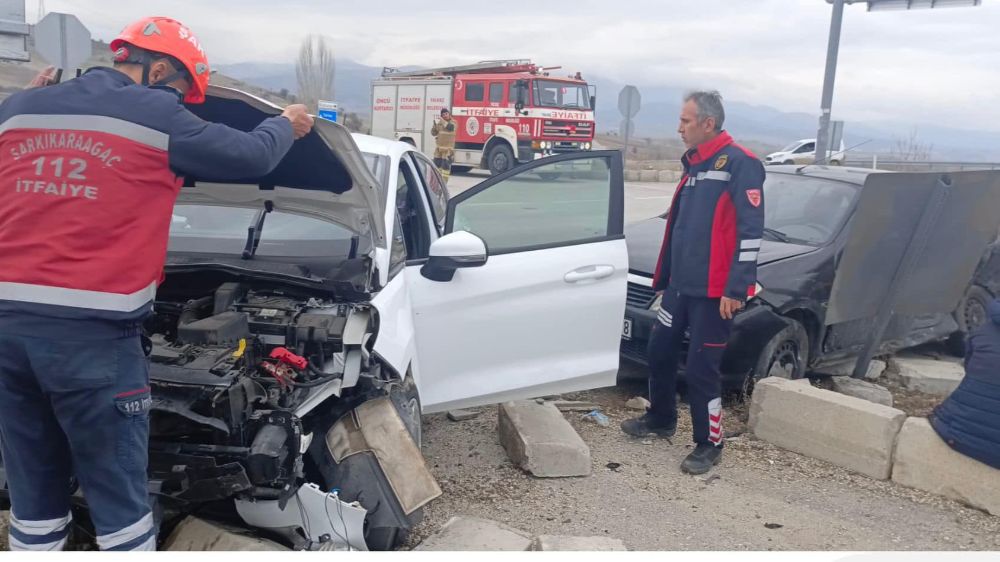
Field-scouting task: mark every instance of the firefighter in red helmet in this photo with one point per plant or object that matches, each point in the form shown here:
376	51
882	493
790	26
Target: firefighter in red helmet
92	167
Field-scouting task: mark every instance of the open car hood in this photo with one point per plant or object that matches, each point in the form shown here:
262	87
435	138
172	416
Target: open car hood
324	173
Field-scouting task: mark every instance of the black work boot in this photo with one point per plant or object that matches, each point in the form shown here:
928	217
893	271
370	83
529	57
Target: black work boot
646	425
702	459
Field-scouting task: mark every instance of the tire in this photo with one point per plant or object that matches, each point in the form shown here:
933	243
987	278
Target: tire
500	159
549	176
406	399
460	169
789	162
786	356
972	312
835	162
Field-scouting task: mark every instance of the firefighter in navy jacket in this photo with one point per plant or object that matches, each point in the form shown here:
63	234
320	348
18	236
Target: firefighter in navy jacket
706	271
89	171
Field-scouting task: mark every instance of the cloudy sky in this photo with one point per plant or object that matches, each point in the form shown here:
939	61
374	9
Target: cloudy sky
937	66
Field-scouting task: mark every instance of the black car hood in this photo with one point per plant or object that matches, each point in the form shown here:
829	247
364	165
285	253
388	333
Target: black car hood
644	240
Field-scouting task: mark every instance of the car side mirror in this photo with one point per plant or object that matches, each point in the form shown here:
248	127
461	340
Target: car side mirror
593	103
454	251
519	106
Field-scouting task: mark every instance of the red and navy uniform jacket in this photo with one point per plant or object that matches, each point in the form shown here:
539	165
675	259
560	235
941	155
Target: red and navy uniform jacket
715	223
89	172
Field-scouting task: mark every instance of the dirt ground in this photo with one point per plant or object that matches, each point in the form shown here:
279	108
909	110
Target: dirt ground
759	498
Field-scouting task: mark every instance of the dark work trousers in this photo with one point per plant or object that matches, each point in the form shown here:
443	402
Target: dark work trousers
76	408
709	336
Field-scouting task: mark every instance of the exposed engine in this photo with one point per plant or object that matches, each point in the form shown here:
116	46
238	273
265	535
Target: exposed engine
232	374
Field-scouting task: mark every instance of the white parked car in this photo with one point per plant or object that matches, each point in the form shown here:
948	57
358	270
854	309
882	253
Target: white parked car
803	152
309	317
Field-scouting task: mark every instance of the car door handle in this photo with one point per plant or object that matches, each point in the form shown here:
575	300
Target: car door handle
588	273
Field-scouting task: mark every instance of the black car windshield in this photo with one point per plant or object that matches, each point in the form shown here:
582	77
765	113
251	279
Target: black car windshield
806	210
562	95
223	230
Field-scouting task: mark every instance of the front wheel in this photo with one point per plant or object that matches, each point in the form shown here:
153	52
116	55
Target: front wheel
785	356
500	159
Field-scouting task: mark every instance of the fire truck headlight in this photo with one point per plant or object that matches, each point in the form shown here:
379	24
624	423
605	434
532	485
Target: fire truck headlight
586	146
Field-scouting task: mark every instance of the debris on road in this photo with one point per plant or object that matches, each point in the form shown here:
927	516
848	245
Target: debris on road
574	406
638	403
596	417
773	525
462	415
539	440
472	534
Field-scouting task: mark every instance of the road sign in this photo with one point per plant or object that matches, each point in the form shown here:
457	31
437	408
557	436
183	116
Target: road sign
328	110
626	128
629	101
63	41
13	31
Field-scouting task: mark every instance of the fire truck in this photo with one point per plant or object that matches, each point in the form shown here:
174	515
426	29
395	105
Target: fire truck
507	112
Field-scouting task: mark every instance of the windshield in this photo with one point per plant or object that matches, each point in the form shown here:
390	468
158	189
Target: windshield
791	147
223	230
563	95
806	210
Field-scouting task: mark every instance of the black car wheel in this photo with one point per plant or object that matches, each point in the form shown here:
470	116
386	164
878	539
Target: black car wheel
500	159
785	356
972	313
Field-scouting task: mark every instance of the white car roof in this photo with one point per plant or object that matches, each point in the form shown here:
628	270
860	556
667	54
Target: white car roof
381	146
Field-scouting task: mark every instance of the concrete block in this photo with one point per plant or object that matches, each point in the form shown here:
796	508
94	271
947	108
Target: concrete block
863	389
462	415
551	543
649	175
575	406
924	461
468	534
631	175
193	534
538	439
846	369
939	378
849	432
668	176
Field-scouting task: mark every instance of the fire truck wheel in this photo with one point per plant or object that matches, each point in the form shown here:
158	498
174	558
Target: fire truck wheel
500	159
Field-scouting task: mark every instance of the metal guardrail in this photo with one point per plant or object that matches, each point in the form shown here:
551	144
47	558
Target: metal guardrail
876	163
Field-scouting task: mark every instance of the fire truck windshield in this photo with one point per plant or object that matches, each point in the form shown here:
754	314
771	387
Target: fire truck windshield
562	95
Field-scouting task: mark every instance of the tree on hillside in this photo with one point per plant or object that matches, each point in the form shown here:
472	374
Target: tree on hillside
314	71
911	149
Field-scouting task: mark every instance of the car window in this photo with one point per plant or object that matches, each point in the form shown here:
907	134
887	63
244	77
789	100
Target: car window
808	147
807	210
437	192
551	205
226	229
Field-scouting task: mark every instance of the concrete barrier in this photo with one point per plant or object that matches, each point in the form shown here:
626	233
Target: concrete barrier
930	376
538	439
649	176
849	432
463	534
551	543
924	461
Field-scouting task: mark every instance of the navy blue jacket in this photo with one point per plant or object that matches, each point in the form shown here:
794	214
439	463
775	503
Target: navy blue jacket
715	223
90	170
969	419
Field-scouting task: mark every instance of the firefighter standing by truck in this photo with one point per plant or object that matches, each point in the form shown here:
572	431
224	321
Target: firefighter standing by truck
91	170
444	130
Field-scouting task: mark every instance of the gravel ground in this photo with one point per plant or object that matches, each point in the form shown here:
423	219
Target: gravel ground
763	499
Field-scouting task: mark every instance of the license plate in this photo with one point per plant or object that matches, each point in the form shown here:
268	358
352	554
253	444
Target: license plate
627	329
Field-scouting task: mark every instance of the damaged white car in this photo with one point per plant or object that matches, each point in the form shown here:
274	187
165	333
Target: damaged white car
309	317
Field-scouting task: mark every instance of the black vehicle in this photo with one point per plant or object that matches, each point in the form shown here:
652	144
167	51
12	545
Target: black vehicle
783	330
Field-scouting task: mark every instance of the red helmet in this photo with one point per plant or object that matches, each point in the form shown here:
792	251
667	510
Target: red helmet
168	37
